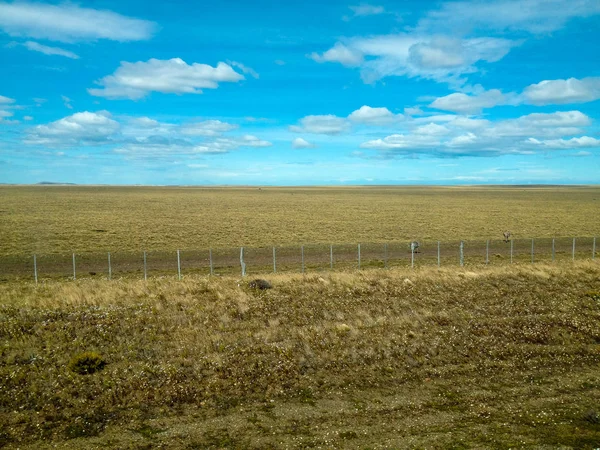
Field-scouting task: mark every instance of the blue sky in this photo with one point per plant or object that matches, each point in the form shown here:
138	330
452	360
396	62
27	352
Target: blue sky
300	93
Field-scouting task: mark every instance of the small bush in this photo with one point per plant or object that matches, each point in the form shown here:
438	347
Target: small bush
592	417
259	283
87	363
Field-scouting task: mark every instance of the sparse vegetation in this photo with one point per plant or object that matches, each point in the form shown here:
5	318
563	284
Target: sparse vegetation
65	219
488	358
86	363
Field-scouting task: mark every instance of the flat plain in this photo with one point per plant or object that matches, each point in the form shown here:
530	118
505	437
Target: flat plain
63	219
481	356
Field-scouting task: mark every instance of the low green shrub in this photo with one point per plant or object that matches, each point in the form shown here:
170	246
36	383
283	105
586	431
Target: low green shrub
87	363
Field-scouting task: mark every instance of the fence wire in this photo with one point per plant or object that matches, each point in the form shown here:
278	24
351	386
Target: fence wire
296	259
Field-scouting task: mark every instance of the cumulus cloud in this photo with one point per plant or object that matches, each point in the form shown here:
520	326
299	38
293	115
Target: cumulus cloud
472	104
6	100
69	22
531	16
341	54
464	136
555	92
367	10
440	58
326	124
207	128
374	116
576	142
83	128
174	76
301	143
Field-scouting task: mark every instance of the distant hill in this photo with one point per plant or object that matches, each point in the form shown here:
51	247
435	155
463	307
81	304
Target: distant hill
52	182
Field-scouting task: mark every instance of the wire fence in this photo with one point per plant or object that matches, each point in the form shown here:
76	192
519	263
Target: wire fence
305	258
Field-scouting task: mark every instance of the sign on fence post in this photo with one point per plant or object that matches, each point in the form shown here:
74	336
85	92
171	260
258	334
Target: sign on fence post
274	261
532	259
210	261
385	255
358	256
573	249
35	268
487	252
178	265
462	253
145	268
439	262
302	251
511	251
331	256
242	263
109	267
553	249
74	272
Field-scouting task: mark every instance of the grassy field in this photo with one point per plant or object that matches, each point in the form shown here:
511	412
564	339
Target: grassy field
490	358
62	219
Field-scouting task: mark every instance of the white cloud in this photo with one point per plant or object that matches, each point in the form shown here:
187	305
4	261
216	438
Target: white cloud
6	104
432	129
207	128
46	50
66	101
554	92
576	142
440	58
532	16
226	145
472	104
173	76
401	141
6	100
469	124
326	124
301	143
340	53
83	128
27	118
69	22
374	116
245	69
145	122
367	10
413	111
464	136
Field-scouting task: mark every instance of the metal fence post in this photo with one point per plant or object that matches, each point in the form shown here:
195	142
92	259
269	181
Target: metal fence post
439	262
412	255
594	248
35	269
487	252
242	263
210	260
302	251
178	265
331	256
145	268
573	249
462	253
109	267
553	249
74	271
532	252
511	251
274	261
385	255
358	256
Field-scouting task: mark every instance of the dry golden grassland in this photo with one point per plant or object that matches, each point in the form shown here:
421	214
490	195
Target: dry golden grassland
491	358
62	219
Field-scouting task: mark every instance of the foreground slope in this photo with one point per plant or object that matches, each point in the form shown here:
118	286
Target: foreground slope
505	357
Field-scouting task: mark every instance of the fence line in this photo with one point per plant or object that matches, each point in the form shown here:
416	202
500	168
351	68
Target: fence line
310	258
